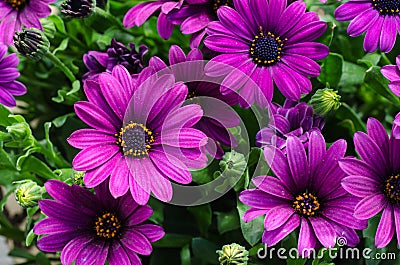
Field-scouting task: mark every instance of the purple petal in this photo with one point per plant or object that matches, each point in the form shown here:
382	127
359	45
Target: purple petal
271	238
260	199
297	160
385	231
85	138
136	242
272	186
307	239
370	206
119	180
324	231
94	156
71	251
361	186
152	232
278	216
371	39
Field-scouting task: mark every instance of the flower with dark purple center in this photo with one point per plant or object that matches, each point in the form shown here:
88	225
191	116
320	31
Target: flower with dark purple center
9	86
92	228
117	54
201	88
141	137
138	14
378	18
375	179
306	192
78	8
291	119
17	13
255	39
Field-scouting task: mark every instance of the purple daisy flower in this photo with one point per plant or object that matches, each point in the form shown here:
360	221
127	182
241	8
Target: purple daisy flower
117	53
141	136
392	72
9	87
91	229
17	13
138	14
269	42
307	193
376	179
291	119
217	118
377	18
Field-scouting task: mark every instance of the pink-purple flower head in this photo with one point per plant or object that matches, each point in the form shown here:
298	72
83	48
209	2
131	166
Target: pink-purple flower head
291	119
9	87
141	137
306	192
205	91
271	43
138	14
91	228
378	18
17	13
396	126
376	180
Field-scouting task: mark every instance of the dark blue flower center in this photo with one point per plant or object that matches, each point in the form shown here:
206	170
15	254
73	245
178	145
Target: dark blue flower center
306	204
391	188
266	48
135	140
218	3
107	226
387	7
17	4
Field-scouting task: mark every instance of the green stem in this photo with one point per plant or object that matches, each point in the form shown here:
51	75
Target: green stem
68	73
385	59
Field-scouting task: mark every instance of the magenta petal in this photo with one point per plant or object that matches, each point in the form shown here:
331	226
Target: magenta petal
371	39
259	199
396	212
73	248
119	180
117	255
277	216
324	231
94	156
140	215
136	242
56	242
152	232
388	34
370	206
361	186
85	138
90	253
94	177
297	160
271	238
307	239
385	231
272	186
164	27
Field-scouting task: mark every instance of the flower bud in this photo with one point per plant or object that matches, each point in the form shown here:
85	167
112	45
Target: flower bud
233	163
233	254
78	178
31	43
19	131
28	193
325	100
78	8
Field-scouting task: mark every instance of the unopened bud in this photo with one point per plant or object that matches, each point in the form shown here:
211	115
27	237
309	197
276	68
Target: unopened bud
31	43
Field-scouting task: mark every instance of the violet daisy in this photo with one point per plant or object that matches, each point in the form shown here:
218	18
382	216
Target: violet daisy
291	119
307	193
17	13
396	126
9	87
217	115
141	136
378	18
269	42
138	14
117	53
91	229
392	72
376	179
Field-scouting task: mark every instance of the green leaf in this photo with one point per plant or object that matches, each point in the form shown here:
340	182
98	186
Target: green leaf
173	241
34	165
63	45
20	253
350	119
353	74
58	22
29	238
331	72
252	231
185	255
203	216
377	82
227	221
60	121
4	113
42	259
370	59
205	250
